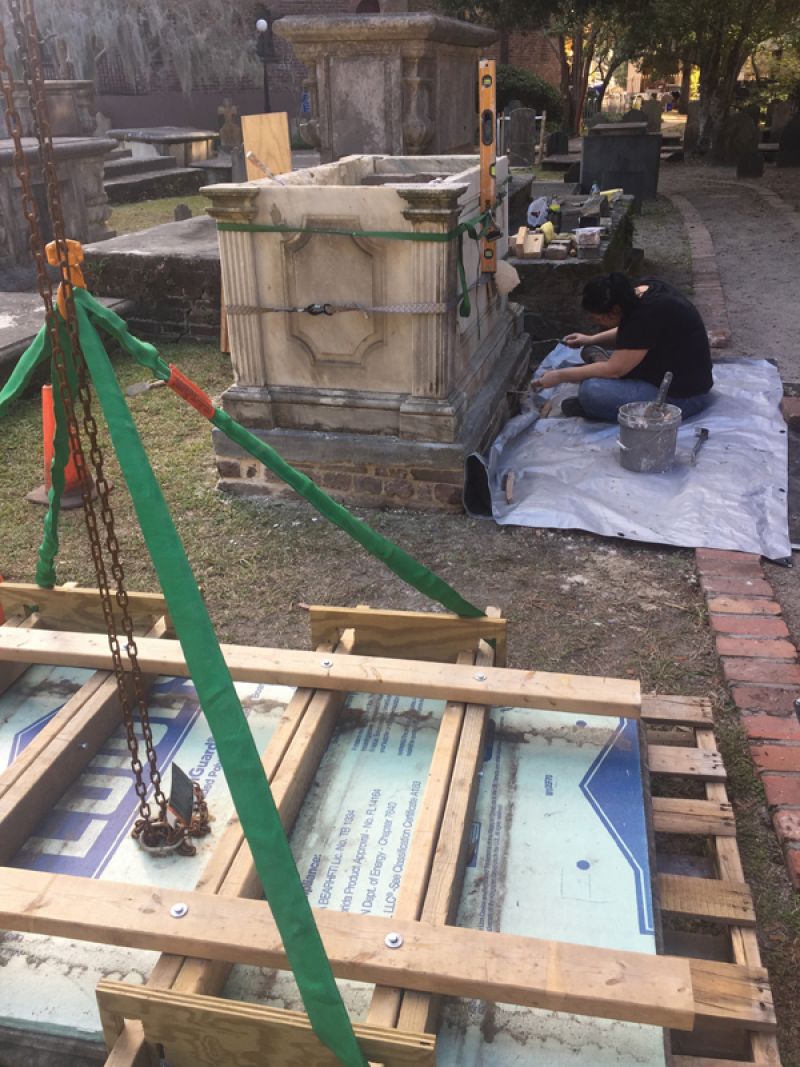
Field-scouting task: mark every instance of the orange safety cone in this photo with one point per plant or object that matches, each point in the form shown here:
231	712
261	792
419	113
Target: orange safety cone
71	497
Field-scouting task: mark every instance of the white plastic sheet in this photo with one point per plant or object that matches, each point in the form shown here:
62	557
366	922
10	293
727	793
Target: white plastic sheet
567	473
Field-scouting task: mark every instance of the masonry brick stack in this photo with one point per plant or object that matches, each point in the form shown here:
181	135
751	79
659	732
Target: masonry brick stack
760	664
367	485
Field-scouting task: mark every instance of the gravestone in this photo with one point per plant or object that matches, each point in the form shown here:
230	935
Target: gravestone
557	143
598	119
238	164
789	151
750	164
737	136
522	141
780	112
102	125
691	133
230	132
632	116
651	112
573	173
182	212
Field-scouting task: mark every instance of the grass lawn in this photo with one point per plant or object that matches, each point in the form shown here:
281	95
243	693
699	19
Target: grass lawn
130	218
574	602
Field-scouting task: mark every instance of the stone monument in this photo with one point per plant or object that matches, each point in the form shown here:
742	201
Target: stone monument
401	84
79	163
789	150
737	136
622	155
651	112
384	396
522	137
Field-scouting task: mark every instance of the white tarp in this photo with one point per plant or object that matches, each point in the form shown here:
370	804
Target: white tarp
567	473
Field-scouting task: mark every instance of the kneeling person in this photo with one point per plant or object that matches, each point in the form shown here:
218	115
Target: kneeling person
652	329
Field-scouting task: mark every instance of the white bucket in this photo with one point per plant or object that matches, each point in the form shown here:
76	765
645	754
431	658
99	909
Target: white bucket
648	439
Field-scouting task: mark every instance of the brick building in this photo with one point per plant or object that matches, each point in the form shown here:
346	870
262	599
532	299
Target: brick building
136	101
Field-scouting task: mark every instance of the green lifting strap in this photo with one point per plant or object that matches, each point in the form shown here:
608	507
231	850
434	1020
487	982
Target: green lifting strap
400	562
37	352
238	754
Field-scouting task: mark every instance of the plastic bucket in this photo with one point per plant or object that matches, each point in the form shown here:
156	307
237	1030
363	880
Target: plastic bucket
647	441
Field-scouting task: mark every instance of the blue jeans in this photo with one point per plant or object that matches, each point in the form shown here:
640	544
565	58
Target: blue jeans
601	398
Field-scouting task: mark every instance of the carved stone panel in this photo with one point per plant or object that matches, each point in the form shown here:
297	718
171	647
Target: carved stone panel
312	265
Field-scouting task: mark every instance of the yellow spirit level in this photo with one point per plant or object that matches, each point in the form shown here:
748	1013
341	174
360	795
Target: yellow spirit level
487	97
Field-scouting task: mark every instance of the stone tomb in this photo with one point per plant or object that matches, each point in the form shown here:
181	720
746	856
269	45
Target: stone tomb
401	84
381	406
79	163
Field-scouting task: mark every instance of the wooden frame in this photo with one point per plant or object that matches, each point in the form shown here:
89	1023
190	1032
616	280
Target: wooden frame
682	994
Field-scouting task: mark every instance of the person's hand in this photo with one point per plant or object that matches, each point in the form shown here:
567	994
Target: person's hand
577	340
549	380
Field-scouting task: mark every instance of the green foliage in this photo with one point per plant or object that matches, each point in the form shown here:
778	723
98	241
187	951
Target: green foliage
513	83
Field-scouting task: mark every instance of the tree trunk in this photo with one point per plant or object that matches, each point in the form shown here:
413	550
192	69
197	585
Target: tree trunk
613	65
717	89
686	82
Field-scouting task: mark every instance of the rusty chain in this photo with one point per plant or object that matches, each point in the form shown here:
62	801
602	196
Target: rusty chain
154	834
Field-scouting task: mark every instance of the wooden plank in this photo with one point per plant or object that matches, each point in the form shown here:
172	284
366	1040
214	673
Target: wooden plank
10	672
431	884
384	1006
744	941
420	635
677	711
448	960
200	1031
704	1061
448	681
35	781
267	137
673	815
715	899
519	240
733	994
76	608
533	246
419	1011
685	762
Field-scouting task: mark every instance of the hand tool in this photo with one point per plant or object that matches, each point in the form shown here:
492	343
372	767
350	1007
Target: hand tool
702	437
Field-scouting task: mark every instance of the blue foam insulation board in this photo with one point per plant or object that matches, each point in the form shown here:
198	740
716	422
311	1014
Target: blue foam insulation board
558	850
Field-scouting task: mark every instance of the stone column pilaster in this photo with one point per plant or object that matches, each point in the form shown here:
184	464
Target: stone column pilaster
432	210
239	280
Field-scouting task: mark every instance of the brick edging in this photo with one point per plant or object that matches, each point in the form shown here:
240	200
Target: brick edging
761	668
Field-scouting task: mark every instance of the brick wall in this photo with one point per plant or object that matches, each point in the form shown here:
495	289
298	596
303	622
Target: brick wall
528	50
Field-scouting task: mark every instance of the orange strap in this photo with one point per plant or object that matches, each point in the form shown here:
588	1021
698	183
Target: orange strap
190	392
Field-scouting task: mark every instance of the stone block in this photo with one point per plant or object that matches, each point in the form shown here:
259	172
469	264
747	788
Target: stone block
394	83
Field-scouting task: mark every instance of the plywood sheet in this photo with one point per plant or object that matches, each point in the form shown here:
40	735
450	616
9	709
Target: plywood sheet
267	137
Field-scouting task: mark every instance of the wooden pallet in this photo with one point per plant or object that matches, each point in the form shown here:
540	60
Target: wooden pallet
709	1005
681	744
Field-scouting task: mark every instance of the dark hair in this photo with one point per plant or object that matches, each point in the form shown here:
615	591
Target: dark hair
604	293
